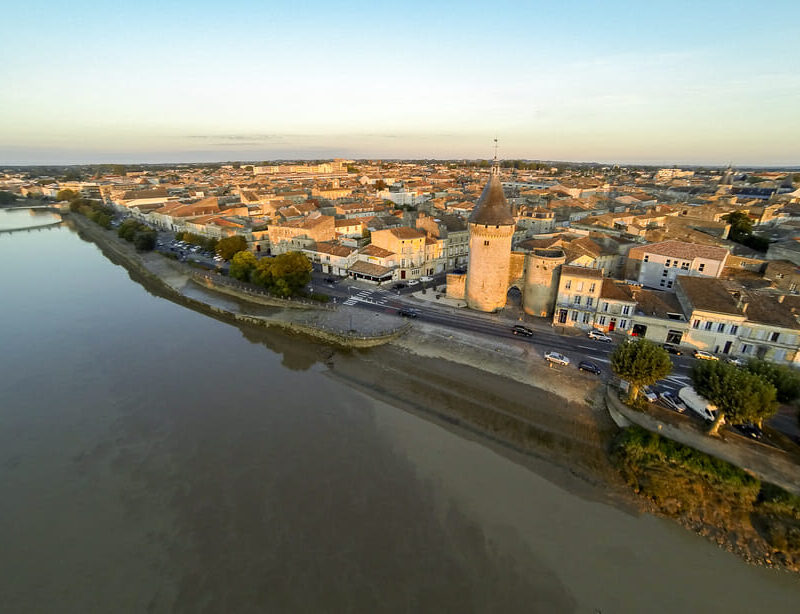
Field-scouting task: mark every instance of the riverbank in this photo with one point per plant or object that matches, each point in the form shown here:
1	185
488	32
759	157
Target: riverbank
492	390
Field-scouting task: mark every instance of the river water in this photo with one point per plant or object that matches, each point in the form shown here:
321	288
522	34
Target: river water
153	459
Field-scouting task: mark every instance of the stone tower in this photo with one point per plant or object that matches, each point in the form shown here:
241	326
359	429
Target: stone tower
491	228
542	272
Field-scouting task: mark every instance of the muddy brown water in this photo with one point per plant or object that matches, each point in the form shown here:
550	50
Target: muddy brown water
153	459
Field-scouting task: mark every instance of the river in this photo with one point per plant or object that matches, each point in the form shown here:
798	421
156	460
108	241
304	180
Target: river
153	459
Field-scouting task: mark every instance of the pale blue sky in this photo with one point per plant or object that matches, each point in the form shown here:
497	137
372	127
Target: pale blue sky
652	82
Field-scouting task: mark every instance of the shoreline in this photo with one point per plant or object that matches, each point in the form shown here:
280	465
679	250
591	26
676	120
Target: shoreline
434	373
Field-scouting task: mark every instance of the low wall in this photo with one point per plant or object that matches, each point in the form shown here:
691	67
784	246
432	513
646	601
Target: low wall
764	462
253	295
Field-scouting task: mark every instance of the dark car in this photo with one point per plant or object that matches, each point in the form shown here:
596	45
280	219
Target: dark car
589	367
522	330
408	313
749	430
399	286
673	349
460	270
331	280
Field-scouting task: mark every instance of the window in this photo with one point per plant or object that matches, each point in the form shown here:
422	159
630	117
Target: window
696	324
591	288
774	337
586	317
574	316
605	307
568	284
709	325
626	310
601	320
721	327
663	283
701	267
577	299
623	324
580	286
746	348
667	262
734	329
486	242
684	266
589	301
669	283
675	264
646	258
664	273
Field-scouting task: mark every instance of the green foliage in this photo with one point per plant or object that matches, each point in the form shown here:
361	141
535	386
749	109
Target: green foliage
742	231
145	240
636	449
6	198
785	379
284	275
67	195
242	265
641	363
229	246
351	168
740	395
94	210
128	229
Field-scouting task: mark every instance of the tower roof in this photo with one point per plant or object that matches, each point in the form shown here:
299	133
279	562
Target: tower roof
492	208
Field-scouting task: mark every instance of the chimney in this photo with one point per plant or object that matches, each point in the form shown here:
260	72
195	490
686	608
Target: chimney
781	297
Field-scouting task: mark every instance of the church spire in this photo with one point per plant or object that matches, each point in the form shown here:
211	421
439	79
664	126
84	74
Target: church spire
495	163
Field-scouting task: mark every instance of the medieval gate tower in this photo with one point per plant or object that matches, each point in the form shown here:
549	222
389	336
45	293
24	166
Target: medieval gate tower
491	228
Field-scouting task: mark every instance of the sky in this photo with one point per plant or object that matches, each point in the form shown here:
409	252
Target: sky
626	82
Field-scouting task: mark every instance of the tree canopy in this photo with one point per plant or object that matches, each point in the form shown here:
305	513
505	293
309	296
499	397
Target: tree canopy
67	195
641	363
242	265
742	231
284	275
229	246
785	379
740	395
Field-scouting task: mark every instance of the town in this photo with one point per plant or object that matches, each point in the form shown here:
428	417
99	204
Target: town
701	260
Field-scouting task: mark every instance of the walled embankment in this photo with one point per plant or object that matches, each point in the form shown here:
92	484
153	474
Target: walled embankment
125	255
764	462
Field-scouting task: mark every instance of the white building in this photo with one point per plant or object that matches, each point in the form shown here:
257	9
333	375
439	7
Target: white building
658	264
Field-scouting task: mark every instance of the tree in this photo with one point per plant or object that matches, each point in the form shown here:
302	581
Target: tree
740	396
785	379
128	229
242	265
740	223
229	246
67	195
145	240
283	275
641	363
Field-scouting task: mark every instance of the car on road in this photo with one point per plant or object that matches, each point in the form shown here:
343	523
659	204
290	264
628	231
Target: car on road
589	367
556	358
599	335
398	286
331	280
522	330
749	430
406	312
425	278
413	282
739	362
703	355
672	349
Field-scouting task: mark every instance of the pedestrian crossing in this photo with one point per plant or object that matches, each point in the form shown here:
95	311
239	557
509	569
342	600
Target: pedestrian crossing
378	296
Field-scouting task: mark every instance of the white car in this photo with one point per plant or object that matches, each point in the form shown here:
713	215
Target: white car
556	358
648	394
426	278
599	335
413	282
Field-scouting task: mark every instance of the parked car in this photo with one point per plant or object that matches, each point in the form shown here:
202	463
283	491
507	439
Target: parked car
673	349
426	278
671	401
408	313
589	367
398	286
522	330
556	358
739	362
599	335
413	282
749	430
703	355
649	394
331	280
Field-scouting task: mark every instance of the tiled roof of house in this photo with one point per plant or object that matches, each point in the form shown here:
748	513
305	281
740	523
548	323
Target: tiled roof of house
708	294
679	249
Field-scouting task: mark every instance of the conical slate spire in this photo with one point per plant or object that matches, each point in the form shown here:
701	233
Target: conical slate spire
492	208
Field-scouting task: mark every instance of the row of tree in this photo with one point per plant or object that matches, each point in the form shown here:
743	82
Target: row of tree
741	395
96	211
285	275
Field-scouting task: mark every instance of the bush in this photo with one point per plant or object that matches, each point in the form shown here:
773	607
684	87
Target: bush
145	240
